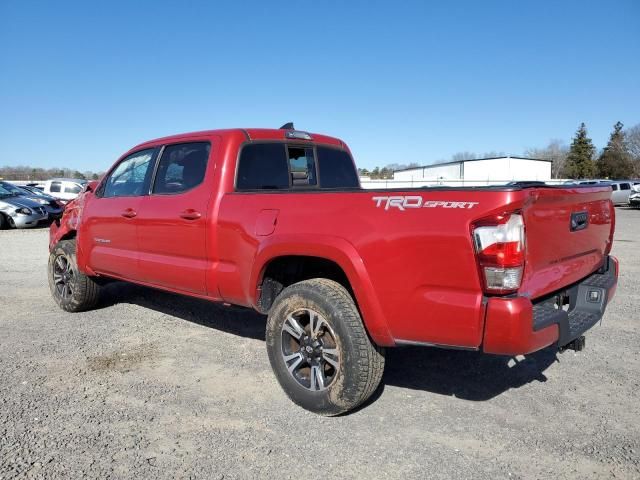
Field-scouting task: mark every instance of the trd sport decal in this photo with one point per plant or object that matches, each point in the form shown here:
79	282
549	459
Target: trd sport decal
415	201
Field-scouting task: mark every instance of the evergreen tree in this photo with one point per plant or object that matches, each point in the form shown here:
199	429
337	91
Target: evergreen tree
579	163
615	161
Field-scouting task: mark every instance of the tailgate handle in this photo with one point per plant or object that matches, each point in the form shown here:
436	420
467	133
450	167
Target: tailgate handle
579	221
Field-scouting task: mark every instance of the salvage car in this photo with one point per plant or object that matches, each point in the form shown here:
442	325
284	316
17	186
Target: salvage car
275	219
19	212
53	206
65	189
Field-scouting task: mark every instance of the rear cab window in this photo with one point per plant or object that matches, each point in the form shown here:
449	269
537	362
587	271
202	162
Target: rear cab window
281	166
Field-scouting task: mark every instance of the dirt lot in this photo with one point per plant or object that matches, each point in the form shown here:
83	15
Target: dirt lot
152	385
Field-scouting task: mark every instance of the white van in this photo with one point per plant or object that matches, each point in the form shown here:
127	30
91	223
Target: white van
621	191
64	188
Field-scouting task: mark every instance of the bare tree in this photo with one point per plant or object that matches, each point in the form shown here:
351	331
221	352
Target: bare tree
632	143
556	151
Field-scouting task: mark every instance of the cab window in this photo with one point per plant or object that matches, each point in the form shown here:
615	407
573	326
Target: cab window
55	187
302	166
263	166
131	175
181	168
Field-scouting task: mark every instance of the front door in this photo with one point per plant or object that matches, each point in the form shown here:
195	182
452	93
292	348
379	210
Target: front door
173	219
109	224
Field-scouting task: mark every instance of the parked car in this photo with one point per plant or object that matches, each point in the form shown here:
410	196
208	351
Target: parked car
53	206
621	191
634	196
276	220
65	189
19	212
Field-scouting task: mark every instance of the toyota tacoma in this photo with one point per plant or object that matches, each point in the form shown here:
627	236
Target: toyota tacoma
276	220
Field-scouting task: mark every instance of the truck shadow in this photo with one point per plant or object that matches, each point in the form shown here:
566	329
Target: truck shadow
467	375
463	374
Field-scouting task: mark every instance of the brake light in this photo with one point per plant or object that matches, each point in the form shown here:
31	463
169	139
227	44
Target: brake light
500	247
609	245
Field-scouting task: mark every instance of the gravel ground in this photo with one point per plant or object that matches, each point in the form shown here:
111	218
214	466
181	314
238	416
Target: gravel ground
153	385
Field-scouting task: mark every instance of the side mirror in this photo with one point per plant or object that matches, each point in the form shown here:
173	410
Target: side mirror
91	186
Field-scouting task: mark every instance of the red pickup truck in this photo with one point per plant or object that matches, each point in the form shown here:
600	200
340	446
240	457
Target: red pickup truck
275	219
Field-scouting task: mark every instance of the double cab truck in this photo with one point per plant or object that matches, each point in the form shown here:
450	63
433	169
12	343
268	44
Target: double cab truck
276	220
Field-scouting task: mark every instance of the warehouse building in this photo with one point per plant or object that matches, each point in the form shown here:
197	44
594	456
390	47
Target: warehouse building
477	171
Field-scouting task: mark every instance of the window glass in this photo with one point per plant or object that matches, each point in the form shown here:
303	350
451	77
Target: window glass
625	186
614	187
73	188
336	169
130	176
182	167
302	166
55	187
263	166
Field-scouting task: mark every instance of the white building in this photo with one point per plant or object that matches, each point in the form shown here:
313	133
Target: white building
474	172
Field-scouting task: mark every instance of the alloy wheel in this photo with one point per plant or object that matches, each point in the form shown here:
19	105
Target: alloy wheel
309	349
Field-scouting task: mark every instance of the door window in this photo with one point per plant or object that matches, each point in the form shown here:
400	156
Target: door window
181	168
131	176
625	186
56	187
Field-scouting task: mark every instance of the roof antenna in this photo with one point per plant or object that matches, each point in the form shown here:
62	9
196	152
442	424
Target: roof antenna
287	126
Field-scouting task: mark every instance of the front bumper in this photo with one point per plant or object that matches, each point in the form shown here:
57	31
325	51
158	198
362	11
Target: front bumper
28	221
515	326
634	202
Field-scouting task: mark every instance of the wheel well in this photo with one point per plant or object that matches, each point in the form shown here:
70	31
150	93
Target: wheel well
284	271
70	235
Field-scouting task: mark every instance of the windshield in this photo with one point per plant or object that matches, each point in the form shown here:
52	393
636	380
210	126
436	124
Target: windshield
4	192
8	190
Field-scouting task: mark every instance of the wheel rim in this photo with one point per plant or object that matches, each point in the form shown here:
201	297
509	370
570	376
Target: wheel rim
309	349
63	277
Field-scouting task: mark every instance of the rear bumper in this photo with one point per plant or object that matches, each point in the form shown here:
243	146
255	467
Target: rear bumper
516	326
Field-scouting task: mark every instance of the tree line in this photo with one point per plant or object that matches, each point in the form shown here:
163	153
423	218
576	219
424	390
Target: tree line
26	173
619	159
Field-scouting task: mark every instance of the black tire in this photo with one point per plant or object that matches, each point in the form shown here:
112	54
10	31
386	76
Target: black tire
360	363
3	222
72	290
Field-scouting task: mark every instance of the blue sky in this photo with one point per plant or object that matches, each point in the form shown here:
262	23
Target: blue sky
81	82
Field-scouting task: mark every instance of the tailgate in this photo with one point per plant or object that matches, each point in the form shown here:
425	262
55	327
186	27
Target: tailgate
568	231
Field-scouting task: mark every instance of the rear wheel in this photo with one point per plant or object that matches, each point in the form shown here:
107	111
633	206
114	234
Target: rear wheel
72	290
319	349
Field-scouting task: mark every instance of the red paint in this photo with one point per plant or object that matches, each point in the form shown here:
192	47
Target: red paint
414	272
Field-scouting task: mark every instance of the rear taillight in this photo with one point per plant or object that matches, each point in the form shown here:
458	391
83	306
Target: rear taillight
609	245
499	244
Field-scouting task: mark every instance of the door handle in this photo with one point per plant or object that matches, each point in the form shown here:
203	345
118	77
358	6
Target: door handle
129	213
190	214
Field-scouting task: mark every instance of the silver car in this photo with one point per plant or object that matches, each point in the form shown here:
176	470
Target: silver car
19	212
51	205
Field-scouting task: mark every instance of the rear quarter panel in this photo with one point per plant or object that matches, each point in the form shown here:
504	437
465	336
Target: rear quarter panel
413	270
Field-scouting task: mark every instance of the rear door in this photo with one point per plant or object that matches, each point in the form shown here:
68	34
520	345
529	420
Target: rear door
567	236
173	219
110	217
